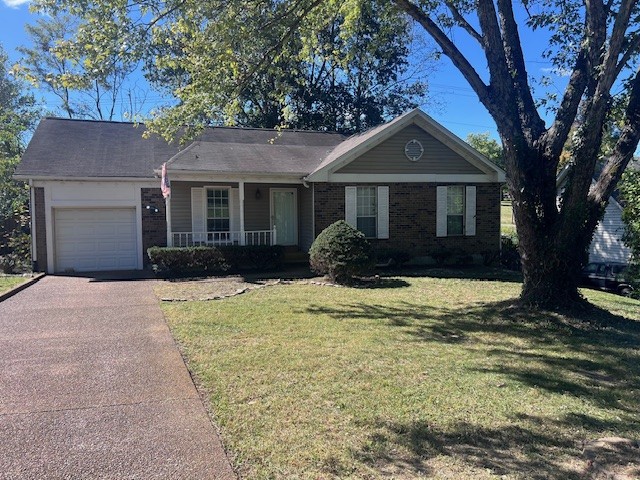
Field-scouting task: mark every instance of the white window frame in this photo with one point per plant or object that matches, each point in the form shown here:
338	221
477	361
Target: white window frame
461	214
381	208
469	210
359	188
206	209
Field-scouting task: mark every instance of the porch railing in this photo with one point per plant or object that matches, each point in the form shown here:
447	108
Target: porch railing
254	237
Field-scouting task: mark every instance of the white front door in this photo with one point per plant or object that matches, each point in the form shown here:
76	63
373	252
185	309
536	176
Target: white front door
284	215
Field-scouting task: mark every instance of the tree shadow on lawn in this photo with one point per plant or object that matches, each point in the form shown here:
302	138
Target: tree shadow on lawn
404	447
591	354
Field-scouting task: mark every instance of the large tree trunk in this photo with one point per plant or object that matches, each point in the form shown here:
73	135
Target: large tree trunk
551	265
553	247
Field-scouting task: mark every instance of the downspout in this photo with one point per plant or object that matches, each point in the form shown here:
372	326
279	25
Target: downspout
32	226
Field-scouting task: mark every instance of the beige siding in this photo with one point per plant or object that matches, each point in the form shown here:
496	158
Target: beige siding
305	215
181	203
389	157
256	210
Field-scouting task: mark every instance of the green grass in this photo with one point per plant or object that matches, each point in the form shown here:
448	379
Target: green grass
8	282
429	377
506	218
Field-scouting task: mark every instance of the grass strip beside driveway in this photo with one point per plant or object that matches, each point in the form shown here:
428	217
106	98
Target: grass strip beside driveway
10	281
431	378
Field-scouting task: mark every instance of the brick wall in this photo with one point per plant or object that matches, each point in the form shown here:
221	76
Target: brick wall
41	230
154	224
412	217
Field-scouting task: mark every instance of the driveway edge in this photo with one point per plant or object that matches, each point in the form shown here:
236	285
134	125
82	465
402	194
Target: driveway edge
19	288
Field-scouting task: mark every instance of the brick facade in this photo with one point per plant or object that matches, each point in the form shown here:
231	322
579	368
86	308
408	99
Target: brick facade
40	265
412	217
154	224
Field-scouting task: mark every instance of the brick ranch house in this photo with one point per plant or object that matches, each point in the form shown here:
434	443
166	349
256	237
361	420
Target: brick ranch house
408	184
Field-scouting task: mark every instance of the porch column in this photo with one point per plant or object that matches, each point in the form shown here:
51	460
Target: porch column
242	233
167	209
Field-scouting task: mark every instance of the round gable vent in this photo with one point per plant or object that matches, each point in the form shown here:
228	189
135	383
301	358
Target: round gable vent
413	150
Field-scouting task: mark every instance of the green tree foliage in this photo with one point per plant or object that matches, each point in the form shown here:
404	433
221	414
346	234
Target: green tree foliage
630	196
487	146
225	44
351	81
85	89
17	115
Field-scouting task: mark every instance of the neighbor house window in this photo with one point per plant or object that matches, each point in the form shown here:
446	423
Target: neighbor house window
218	210
455	210
366	211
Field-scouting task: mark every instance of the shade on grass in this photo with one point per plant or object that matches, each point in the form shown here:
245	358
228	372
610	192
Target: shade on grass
433	377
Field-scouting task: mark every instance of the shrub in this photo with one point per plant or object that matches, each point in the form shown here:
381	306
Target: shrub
509	255
442	256
397	255
341	252
187	261
214	260
8	263
253	257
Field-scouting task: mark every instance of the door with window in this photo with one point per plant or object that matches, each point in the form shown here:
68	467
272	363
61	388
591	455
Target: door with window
284	215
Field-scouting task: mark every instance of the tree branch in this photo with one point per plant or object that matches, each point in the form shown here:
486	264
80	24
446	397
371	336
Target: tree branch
267	55
633	47
515	61
460	20
495	53
556	136
620	25
623	149
451	51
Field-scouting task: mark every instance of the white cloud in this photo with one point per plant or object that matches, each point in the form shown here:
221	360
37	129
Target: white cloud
560	72
14	3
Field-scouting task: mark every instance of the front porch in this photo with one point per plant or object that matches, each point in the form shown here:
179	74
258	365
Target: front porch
220	213
191	239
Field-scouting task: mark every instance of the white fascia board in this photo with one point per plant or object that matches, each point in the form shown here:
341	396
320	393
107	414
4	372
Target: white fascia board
384	178
49	178
187	176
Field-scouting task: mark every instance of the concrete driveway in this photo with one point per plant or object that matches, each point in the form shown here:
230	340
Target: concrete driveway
93	386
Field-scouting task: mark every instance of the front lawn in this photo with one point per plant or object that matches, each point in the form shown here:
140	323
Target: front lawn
8	282
421	377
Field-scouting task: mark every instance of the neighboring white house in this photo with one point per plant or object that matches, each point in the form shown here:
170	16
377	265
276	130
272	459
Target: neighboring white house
607	244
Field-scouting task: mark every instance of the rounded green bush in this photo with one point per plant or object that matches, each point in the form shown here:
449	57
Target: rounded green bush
341	252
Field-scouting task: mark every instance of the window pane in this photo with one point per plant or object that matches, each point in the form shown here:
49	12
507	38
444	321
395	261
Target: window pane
455	200
454	225
217	225
367	225
218	210
366	210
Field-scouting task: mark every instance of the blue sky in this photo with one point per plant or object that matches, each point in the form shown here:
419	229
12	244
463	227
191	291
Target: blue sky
455	105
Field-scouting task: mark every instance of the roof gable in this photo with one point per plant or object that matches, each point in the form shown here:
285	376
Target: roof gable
389	156
358	145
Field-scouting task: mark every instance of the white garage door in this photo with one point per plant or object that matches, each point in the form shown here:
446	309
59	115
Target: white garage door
95	239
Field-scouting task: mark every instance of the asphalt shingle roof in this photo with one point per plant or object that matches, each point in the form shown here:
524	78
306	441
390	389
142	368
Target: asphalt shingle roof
85	148
252	150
